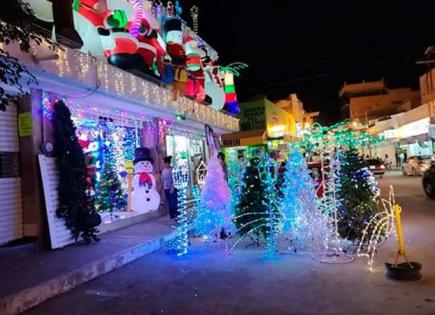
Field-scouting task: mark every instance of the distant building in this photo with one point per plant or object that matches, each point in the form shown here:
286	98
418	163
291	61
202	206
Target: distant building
262	123
294	106
366	101
427	86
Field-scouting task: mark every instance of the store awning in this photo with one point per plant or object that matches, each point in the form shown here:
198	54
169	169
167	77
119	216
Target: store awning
419	138
243	138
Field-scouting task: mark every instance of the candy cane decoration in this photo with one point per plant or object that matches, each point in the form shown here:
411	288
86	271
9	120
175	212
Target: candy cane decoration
138	15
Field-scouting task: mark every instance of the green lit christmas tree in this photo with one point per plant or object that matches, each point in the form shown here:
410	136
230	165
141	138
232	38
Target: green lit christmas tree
109	194
357	196
251	212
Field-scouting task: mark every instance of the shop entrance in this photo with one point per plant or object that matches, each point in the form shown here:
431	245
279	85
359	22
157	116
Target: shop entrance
186	152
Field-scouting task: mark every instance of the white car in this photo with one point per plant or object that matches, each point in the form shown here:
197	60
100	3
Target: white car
416	165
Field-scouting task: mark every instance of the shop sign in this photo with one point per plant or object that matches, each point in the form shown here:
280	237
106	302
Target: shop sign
415	128
25	124
230	143
390	134
253	118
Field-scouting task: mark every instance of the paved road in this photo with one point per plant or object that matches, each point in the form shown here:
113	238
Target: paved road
209	282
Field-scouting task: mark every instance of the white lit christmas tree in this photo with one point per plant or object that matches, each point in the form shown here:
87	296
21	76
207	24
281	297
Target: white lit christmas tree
214	209
302	221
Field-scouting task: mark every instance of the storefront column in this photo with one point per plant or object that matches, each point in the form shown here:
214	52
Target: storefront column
30	146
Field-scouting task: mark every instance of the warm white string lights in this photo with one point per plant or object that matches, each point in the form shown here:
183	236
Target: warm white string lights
97	75
379	228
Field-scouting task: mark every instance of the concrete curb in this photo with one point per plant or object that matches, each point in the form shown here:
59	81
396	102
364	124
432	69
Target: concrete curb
33	296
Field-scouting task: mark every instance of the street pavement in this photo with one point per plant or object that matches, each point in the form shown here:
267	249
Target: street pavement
208	281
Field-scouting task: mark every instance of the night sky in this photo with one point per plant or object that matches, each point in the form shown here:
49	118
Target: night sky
312	47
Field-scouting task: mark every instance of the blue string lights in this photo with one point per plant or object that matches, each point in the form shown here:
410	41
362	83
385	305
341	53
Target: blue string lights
302	221
265	168
179	246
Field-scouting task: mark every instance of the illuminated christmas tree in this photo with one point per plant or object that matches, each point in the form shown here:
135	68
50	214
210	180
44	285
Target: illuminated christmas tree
302	221
214	211
357	196
109	194
251	212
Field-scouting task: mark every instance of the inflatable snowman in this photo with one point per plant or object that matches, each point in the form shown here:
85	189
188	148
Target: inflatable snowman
144	197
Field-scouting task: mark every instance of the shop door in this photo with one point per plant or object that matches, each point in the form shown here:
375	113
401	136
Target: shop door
11	214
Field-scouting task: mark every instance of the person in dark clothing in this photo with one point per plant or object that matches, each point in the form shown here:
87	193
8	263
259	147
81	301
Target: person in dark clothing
221	157
280	180
169	188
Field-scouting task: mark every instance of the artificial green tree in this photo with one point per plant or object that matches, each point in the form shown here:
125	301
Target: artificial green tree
109	195
76	205
357	196
251	211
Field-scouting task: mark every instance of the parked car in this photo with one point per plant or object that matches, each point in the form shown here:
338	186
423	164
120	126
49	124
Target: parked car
376	166
416	165
429	181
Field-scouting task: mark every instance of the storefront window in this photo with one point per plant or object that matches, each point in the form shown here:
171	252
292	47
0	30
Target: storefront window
104	140
187	153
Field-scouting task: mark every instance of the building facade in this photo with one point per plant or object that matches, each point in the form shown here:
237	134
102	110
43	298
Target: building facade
262	123
366	101
294	106
107	105
407	133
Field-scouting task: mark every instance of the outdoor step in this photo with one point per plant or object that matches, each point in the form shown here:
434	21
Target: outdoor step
34	277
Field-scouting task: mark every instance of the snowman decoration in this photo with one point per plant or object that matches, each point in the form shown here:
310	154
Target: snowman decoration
144	197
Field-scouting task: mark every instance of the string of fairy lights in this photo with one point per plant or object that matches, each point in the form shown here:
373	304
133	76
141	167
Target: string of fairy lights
98	75
124	133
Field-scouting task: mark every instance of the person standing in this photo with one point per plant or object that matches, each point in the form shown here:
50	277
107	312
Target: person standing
169	187
387	161
401	159
221	157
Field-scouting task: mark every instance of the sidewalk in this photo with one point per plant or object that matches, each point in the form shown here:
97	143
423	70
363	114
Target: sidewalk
29	277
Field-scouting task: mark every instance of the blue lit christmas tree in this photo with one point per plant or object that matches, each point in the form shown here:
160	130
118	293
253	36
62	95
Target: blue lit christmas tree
179	245
267	171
